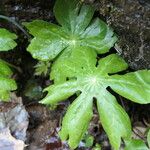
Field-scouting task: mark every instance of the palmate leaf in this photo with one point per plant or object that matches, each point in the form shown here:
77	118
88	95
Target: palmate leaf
7	40
4	69
76	28
81	75
6	83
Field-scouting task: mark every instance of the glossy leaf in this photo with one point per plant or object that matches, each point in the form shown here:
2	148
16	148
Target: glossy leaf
7	40
138	82
79	74
115	121
77	28
70	64
135	144
72	15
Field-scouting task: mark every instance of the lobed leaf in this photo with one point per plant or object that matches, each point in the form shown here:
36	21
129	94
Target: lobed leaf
114	119
78	116
48	41
134	81
80	74
76	29
7	40
4	69
6	83
74	45
66	12
69	65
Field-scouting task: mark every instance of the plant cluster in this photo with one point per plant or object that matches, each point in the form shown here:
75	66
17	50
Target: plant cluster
137	144
74	48
7	84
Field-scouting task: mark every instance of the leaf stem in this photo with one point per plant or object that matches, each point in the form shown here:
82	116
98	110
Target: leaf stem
16	24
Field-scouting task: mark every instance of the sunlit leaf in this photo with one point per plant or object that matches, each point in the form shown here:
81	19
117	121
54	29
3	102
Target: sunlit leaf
7	40
76	28
148	138
92	82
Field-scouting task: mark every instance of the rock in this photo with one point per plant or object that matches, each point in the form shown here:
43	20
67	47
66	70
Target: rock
130	19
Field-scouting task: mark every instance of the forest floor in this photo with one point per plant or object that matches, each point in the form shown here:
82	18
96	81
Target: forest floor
130	20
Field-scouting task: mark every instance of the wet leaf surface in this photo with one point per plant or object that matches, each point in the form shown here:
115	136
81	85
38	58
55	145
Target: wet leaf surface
116	13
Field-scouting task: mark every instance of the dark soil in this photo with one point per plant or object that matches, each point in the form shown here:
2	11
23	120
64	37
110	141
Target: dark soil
131	21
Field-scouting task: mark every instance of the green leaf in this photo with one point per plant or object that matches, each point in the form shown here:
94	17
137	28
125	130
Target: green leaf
115	121
4	69
89	140
49	40
7	40
6	84
76	120
135	145
72	15
77	28
148	138
70	65
80	75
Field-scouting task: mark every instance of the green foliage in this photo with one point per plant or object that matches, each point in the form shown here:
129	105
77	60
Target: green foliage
42	68
73	46
88	140
92	82
7	40
97	147
77	28
6	83
135	145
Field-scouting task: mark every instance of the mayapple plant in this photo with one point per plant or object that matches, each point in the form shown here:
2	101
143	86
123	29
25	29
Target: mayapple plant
73	46
138	144
6	83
